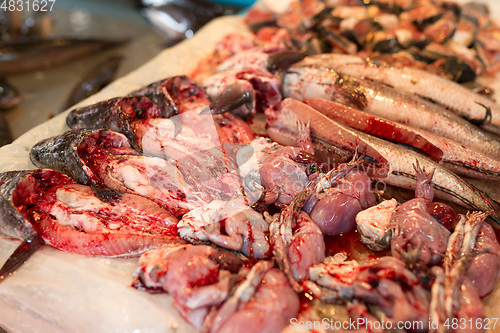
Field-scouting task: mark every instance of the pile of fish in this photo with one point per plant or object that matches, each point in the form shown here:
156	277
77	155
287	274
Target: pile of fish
460	42
241	229
180	19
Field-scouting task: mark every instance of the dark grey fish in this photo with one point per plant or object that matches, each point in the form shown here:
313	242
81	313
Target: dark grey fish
99	115
96	79
158	92
37	54
180	19
13	225
157	100
9	96
60	153
116	114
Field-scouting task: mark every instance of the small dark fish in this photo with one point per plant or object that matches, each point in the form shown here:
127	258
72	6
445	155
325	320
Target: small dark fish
96	79
37	54
180	19
60	153
284	59
5	133
9	96
235	99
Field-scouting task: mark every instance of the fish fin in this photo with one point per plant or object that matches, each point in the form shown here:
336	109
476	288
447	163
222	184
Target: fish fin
20	255
177	125
232	98
105	194
283	59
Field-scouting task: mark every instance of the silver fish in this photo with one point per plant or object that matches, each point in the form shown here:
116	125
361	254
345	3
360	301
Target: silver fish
452	95
310	78
396	164
454	156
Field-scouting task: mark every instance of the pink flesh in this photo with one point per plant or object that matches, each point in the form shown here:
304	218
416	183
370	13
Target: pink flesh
232	129
374	125
164	184
269	310
469	308
485	267
127	227
419	234
102	244
203	150
307	247
229	45
186	95
336	213
334	210
483	272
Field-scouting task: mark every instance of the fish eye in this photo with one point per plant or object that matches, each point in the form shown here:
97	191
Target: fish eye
313	168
